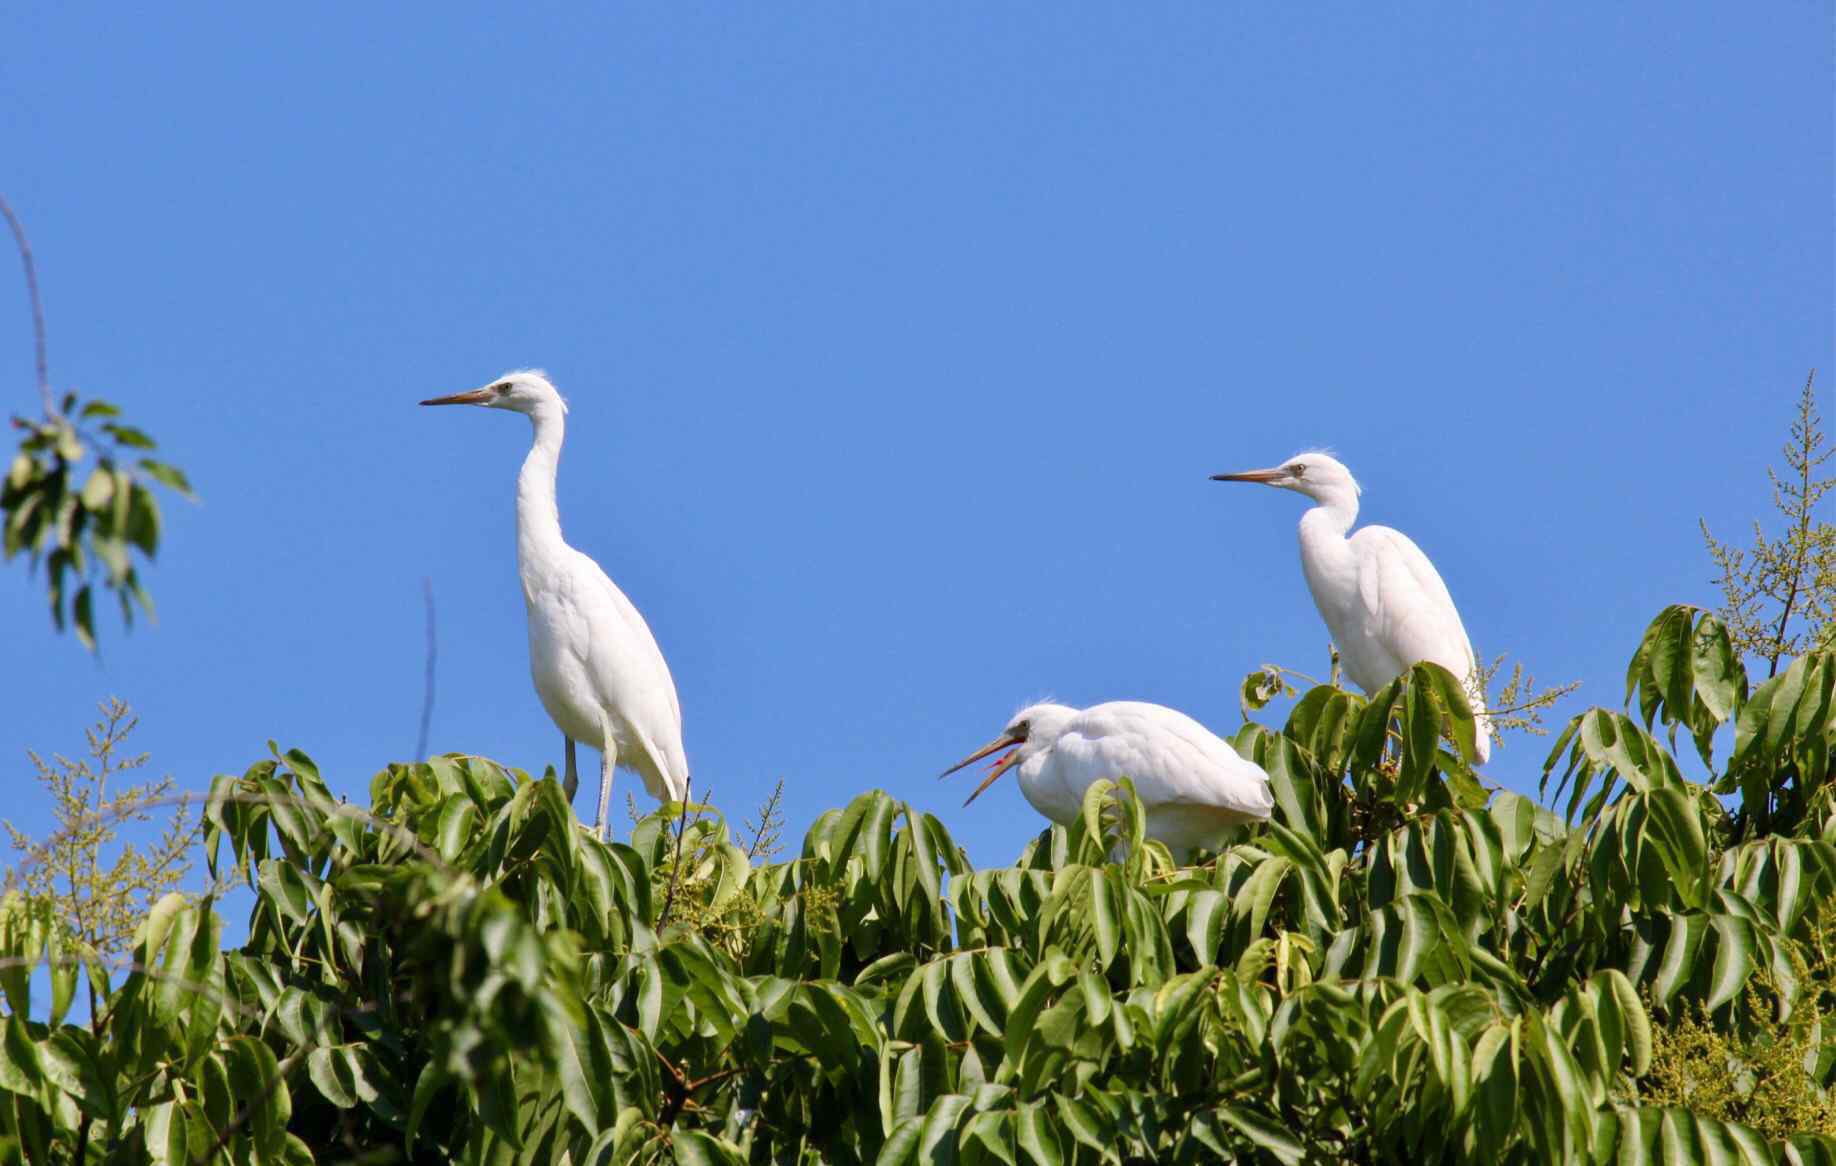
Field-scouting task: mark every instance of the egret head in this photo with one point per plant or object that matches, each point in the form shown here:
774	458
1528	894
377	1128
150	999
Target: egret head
1318	475
1032	730
524	390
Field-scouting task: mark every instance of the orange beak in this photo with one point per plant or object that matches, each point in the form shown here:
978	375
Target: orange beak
1266	477
475	397
1001	765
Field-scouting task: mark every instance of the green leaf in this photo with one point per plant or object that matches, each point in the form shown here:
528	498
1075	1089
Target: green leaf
1037	1135
1205	914
1676	829
83	613
21	1069
694	1148
142	528
1735	945
329	1072
63	976
1687	673
23	469
167	475
1263	1132
1679	959
127	435
1260	687
261	1093
99	490
1103	917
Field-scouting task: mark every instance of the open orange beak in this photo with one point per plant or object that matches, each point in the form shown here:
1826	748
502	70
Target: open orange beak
475	397
1001	765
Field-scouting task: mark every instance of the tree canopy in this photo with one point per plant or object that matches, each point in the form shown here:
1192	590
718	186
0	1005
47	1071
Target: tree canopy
1403	962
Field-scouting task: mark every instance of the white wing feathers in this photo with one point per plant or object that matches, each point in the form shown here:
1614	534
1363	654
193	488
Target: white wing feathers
1172	759
1413	615
641	684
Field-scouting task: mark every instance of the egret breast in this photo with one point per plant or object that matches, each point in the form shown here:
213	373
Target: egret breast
557	663
1049	789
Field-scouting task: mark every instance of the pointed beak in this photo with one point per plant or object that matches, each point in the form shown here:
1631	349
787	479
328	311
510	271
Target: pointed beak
475	397
1000	766
1266	477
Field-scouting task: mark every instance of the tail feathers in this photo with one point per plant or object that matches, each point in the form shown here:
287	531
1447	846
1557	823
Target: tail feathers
664	786
666	775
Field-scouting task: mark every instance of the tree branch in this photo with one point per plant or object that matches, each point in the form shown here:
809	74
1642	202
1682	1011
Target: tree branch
38	306
675	867
427	682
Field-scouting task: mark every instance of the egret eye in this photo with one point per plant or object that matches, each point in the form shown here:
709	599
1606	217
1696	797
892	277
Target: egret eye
502	388
1298	469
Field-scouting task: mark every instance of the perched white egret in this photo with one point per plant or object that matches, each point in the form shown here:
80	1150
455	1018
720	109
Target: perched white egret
1381	598
1192	784
596	666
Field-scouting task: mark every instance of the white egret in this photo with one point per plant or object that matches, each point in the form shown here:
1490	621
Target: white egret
1381	598
596	666
1192	784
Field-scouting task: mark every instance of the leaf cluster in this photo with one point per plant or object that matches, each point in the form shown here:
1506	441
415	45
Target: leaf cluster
86	518
77	492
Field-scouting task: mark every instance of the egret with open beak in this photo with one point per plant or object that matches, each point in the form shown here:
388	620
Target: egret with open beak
1014	734
1193	785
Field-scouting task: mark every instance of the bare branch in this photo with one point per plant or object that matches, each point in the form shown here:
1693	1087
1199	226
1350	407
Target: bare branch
427	682
675	868
38	306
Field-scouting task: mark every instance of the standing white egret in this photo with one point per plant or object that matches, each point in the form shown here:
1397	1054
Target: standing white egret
596	666
1192	784
1381	598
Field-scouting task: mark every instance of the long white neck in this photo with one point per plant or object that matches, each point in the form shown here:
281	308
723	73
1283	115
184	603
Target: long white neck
1325	553
1333	513
538	522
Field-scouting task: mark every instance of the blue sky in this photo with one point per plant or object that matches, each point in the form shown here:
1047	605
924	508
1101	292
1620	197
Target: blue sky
900	341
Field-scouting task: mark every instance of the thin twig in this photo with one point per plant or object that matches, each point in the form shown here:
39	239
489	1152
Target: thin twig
1542	700
675	867
765	836
38	306
1802	547
427	681
82	1146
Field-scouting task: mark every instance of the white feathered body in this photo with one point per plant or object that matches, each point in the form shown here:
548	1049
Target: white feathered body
591	654
590	650
1193	785
1386	607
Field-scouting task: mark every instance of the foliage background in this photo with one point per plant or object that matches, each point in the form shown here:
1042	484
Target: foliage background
899	345
1401	964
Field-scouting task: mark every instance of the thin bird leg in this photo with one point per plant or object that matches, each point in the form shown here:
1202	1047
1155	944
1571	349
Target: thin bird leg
608	755
571	782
